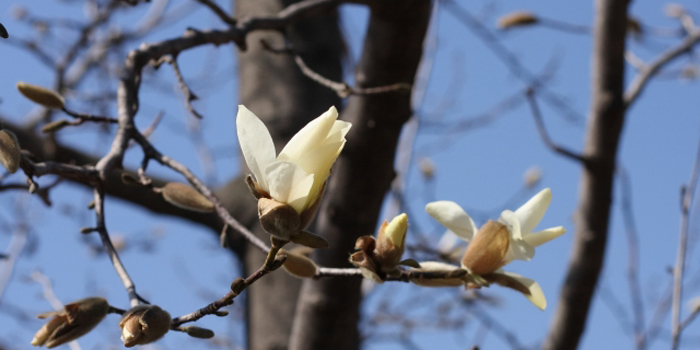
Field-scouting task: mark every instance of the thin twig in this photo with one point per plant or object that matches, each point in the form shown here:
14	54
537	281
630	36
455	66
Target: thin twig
219	11
134	298
687	194
343	89
543	131
648	71
189	95
633	259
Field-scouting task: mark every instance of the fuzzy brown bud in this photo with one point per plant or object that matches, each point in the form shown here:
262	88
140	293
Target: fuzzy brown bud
516	19
278	219
72	322
199	332
297	264
55	126
390	243
10	154
486	251
40	95
143	324
186	197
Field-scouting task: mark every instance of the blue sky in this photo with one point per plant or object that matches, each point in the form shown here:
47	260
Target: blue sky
479	168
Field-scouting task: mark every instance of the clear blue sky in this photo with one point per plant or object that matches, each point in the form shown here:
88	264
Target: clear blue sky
480	168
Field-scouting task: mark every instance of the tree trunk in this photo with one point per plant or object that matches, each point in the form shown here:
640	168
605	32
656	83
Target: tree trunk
273	87
595	193
328	310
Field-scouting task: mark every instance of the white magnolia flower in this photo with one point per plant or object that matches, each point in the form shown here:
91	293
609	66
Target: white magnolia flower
521	244
296	176
520	224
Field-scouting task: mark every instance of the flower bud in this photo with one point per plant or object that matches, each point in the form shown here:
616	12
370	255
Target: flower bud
40	95
55	126
278	219
3	32
72	322
199	332
390	243
532	176
143	324
10	154
437	267
427	168
186	197
515	19
486	251
297	264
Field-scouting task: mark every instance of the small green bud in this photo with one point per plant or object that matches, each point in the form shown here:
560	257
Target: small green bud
198	332
55	126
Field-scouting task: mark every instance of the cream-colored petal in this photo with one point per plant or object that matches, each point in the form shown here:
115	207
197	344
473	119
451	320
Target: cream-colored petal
531	213
256	144
541	237
299	197
309	137
536	296
453	217
518	248
338	131
281	177
319	163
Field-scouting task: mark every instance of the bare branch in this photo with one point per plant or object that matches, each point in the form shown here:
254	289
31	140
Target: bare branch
530	93
687	194
648	71
189	95
219	11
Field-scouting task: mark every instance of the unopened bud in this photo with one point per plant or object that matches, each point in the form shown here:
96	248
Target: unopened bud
55	126
487	249
199	332
674	10
72	322
221	313
186	197
532	176
634	27
298	265
278	219
40	95
143	324
390	243
516	19
10	154
427	168
3	32
437	267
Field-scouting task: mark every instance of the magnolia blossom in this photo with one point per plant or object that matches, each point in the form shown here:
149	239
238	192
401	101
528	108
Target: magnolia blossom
519	242
296	176
520	224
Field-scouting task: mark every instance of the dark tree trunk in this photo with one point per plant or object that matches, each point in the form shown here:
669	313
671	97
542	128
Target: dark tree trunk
273	87
328	310
595	193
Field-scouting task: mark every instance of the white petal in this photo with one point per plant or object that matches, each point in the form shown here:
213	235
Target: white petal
282	178
338	131
453	217
536	295
531	213
518	248
538	238
300	194
309	137
256	144
319	163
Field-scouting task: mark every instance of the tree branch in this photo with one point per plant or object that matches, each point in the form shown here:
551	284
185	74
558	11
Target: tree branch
530	94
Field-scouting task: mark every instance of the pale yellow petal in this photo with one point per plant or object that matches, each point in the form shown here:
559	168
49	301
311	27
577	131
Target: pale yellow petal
309	137
256	144
453	217
538	238
531	213
281	177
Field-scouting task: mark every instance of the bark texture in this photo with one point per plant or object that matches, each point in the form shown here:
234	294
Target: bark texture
605	122
328	310
273	87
